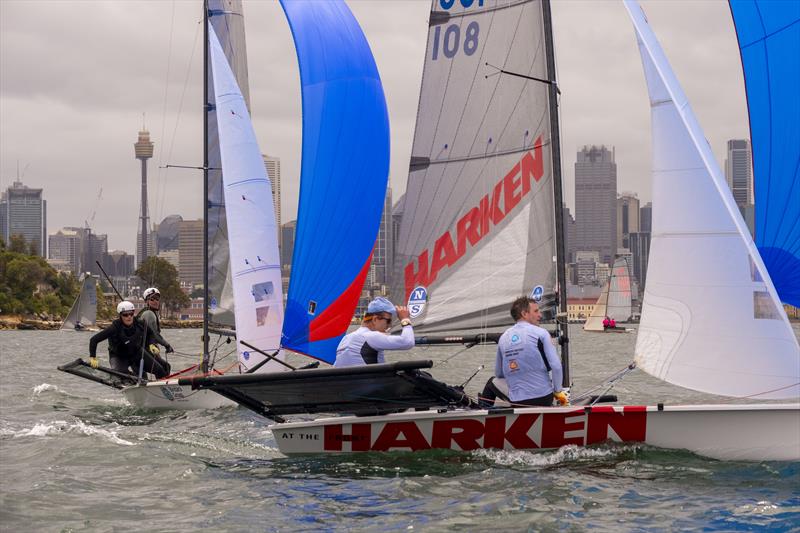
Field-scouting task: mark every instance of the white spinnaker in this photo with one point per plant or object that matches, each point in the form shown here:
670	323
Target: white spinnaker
84	310
618	304
711	320
252	232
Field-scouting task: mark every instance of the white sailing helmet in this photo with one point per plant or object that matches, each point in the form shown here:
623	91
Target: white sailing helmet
150	292
125	306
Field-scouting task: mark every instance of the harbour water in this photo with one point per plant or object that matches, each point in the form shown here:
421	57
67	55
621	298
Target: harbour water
75	457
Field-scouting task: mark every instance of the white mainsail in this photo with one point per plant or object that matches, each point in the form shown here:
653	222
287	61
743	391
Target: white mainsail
615	298
83	314
478	221
252	231
228	22
711	320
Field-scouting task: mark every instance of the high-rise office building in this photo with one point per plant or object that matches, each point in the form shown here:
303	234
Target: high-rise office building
739	173
167	233
287	244
569	232
145	246
24	212
190	252
382	255
640	250
646	218
627	218
64	246
595	202
273	166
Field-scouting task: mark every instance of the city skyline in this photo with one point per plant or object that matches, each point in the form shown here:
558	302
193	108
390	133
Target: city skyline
69	123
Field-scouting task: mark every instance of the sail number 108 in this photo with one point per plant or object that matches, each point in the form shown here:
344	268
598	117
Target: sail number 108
450	42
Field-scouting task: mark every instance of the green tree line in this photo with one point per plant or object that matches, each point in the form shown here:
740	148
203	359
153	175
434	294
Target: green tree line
28	285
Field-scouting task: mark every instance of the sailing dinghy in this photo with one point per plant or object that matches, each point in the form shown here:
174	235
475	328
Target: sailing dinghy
83	314
494	60
251	298
614	301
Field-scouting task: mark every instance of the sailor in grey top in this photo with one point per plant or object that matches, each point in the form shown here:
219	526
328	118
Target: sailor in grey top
365	345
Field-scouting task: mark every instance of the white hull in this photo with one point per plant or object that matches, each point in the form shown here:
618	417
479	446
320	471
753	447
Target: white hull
729	432
169	395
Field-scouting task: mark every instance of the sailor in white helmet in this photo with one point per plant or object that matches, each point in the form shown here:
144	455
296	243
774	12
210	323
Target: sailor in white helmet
151	317
365	345
127	338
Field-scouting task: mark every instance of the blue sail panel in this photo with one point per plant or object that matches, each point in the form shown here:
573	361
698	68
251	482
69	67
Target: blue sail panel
345	169
769	41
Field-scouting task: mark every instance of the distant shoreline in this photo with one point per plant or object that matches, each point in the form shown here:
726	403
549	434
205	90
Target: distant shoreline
16	322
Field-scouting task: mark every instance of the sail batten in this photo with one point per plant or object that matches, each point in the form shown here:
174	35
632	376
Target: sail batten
477	226
711	319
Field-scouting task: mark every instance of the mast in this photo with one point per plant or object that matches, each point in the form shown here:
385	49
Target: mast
206	110
555	145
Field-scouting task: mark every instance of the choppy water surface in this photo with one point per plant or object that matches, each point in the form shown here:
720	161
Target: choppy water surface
75	457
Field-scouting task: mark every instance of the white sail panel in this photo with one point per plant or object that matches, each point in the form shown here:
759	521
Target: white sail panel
226	17
619	291
252	231
710	320
595	320
83	314
480	159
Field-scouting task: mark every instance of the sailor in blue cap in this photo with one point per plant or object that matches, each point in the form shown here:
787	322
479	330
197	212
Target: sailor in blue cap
365	345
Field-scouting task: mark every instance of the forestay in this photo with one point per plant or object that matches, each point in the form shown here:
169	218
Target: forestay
345	168
252	230
228	22
769	39
478	222
711	319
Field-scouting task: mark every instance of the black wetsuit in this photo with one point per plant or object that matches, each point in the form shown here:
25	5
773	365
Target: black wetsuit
125	348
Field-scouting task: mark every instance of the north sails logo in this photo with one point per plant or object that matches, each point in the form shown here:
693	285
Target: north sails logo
416	302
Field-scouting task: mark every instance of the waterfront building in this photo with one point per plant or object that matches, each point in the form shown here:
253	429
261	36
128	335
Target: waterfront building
167	233
273	166
595	201
646	218
23	211
383	253
640	251
738	171
628	212
190	252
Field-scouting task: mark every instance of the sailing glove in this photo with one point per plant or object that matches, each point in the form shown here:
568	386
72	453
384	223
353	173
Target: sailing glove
562	397
93	362
153	349
169	348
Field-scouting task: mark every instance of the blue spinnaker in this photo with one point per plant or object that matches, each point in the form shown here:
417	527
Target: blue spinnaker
345	168
769	41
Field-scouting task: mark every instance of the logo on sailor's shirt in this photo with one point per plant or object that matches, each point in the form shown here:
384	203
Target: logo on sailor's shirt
513	366
514	338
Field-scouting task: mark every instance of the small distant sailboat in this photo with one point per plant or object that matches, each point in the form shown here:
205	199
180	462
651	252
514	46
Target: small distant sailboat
83	314
614	302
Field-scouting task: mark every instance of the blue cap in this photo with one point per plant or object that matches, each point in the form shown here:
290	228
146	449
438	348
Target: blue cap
381	305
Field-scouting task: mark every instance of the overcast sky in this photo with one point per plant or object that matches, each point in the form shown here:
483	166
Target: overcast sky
75	78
